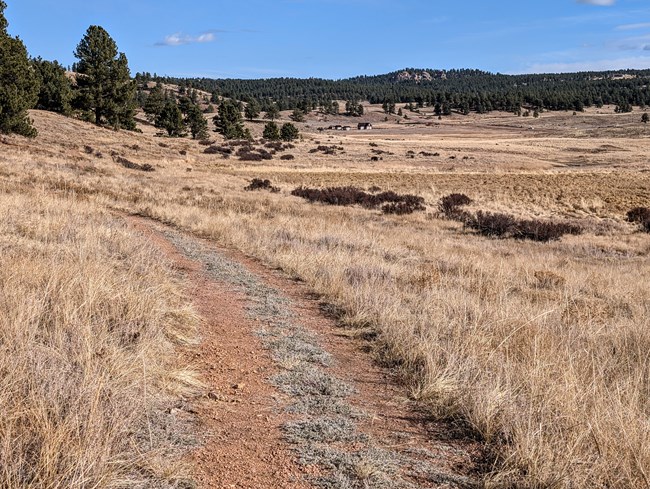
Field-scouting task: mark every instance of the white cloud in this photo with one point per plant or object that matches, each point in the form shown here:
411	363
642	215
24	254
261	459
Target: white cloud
180	39
633	62
633	27
602	3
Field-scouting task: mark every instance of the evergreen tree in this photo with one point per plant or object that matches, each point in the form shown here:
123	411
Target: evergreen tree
289	132
55	89
252	110
645	118
271	131
297	116
272	112
171	120
105	85
196	123
19	84
155	102
229	122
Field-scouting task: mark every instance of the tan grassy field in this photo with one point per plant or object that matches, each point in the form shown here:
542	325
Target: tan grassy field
541	349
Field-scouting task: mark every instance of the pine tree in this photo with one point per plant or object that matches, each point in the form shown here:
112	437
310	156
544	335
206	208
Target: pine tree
272	112
297	116
171	120
252	110
105	85
155	102
19	85
289	132
196	123
228	120
55	89
271	131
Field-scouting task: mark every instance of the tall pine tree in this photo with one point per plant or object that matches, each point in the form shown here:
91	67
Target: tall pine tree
104	81
18	83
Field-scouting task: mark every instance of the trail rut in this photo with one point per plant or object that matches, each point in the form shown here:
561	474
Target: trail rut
292	400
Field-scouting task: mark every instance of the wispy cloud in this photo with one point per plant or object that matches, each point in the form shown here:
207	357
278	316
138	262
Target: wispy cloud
633	27
633	62
180	39
602	3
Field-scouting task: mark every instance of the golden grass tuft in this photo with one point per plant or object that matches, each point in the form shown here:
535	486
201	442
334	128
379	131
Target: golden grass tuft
87	316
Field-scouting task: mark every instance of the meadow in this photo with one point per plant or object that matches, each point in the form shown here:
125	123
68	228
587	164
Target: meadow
541	350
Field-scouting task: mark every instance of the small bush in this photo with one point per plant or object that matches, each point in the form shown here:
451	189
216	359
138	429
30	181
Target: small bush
287	157
490	224
259	184
543	231
133	166
213	150
638	214
401	208
450	204
346	196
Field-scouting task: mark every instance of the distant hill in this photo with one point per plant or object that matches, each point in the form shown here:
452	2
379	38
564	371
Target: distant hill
461	90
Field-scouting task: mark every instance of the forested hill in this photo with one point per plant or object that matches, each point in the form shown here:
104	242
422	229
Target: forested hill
460	90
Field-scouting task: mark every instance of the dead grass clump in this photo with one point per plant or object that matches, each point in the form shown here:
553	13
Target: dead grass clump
259	184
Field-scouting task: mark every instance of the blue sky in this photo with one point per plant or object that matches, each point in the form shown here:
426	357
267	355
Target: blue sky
341	38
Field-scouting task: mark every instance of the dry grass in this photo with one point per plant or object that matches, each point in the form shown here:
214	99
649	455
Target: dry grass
542	349
88	322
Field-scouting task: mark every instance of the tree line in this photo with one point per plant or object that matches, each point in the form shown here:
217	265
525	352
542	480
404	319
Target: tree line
462	91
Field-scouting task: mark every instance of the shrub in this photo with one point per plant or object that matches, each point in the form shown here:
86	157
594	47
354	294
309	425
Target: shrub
401	208
346	196
133	166
646	225
287	157
450	204
259	184
544	231
638	214
490	224
212	150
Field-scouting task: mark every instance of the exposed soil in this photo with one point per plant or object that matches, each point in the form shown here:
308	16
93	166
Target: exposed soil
295	401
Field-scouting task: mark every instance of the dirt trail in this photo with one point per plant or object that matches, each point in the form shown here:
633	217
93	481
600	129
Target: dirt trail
294	402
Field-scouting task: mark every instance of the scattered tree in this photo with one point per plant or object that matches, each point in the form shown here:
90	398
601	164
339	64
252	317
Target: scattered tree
252	110
171	120
229	122
55	89
271	131
196	123
105	85
297	116
155	102
272	112
645	118
19	85
289	132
